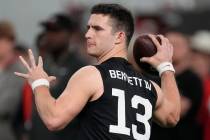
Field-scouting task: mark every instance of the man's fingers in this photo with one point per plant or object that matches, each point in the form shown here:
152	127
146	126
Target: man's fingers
32	59
145	59
40	62
25	63
155	41
164	41
21	75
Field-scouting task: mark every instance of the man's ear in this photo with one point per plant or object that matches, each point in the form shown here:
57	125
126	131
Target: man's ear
120	37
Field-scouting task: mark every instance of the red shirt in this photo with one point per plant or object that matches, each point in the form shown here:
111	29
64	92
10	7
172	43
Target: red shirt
27	102
204	115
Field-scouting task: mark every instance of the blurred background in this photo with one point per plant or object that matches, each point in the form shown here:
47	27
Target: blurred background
55	30
25	15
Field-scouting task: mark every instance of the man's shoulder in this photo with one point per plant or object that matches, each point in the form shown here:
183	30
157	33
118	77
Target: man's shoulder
87	79
88	68
88	72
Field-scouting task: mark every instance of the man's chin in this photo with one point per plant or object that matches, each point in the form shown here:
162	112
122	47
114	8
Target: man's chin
92	54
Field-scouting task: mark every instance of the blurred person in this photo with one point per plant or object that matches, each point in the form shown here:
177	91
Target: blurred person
190	87
40	44
150	24
110	107
22	122
60	60
10	86
200	43
21	49
55	46
7	30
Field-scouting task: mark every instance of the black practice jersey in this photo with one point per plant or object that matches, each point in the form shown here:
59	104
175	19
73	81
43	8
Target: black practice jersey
124	111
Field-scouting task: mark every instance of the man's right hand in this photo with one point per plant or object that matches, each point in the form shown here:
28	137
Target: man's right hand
34	71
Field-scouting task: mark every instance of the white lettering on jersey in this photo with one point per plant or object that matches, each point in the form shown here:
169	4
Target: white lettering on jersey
134	81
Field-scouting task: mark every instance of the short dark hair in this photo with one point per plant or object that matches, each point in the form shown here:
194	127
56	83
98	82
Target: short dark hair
122	17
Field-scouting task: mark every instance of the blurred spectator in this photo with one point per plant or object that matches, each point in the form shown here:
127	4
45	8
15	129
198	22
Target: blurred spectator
150	24
39	43
190	87
59	57
200	43
21	50
61	61
7	30
22	122
10	85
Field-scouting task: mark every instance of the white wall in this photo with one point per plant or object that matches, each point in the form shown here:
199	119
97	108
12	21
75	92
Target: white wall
26	14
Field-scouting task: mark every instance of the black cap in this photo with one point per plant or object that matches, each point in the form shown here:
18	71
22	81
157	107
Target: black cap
59	22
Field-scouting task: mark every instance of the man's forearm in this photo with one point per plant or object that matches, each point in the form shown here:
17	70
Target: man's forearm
171	92
46	105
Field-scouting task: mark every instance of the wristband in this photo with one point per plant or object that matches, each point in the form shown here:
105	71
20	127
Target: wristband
165	66
40	82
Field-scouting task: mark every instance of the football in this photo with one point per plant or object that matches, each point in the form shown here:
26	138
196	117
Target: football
144	47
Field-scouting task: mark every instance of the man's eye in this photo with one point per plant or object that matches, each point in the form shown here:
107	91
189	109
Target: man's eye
97	28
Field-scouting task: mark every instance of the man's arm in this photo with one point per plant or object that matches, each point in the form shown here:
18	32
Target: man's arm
167	111
57	113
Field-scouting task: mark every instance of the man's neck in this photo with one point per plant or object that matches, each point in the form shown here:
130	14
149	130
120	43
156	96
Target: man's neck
117	51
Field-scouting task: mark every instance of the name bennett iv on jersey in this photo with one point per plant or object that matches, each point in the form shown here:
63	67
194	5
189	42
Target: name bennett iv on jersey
116	74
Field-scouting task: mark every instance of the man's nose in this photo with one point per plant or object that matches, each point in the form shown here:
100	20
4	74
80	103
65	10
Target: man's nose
88	34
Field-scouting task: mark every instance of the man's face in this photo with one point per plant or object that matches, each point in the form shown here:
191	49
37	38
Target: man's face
100	37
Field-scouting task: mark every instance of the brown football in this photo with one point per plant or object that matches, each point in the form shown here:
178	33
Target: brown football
144	47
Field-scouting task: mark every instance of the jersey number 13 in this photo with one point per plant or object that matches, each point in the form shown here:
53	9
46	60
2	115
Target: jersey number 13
121	128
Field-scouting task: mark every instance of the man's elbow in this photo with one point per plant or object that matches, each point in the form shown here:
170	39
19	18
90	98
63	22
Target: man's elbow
54	124
172	120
